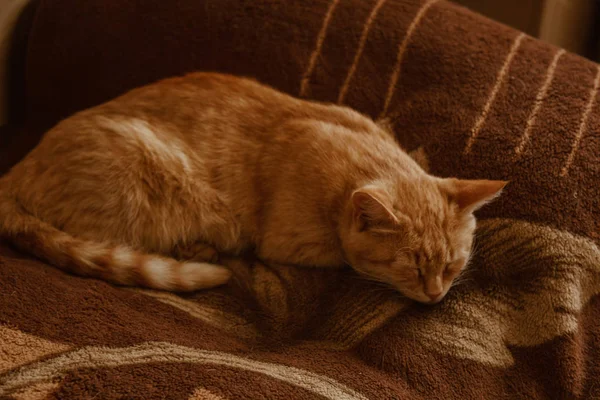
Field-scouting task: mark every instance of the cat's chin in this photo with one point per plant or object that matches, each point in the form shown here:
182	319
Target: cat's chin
436	301
423	300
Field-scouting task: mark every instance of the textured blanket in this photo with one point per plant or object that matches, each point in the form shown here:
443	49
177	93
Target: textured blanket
482	100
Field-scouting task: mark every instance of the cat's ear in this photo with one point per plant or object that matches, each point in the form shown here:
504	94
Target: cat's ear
372	209
471	195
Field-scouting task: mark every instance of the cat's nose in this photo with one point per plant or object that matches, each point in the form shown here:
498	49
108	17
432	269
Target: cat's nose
435	296
434	289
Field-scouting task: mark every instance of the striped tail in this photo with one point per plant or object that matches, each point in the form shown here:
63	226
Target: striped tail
117	264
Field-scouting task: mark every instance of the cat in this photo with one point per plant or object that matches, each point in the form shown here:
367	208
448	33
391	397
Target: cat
147	189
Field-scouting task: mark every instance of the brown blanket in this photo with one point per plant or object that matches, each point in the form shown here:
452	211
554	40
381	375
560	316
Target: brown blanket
481	99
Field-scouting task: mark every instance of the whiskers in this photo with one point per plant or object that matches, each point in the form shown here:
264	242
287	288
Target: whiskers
475	249
365	276
375	283
375	287
466	275
464	278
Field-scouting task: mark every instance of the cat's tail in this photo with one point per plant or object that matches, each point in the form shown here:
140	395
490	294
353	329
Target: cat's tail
116	264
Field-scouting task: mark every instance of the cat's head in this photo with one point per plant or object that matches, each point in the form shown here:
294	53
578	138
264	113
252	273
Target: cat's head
415	236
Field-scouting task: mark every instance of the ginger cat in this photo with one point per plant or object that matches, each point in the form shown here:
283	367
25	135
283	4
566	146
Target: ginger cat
144	189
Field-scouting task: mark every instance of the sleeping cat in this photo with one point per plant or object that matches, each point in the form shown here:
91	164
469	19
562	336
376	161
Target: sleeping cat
147	188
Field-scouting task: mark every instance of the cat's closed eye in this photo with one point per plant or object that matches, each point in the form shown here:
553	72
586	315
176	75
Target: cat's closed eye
452	269
447	270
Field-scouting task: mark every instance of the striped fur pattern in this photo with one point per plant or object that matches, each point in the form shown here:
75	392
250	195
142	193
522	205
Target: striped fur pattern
118	264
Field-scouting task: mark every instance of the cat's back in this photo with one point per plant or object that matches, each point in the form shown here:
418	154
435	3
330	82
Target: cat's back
224	117
205	120
199	98
208	107
187	119
205	97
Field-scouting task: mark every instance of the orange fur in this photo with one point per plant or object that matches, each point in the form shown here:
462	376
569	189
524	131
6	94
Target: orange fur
213	160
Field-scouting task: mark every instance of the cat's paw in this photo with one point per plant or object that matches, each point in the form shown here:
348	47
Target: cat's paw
197	251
